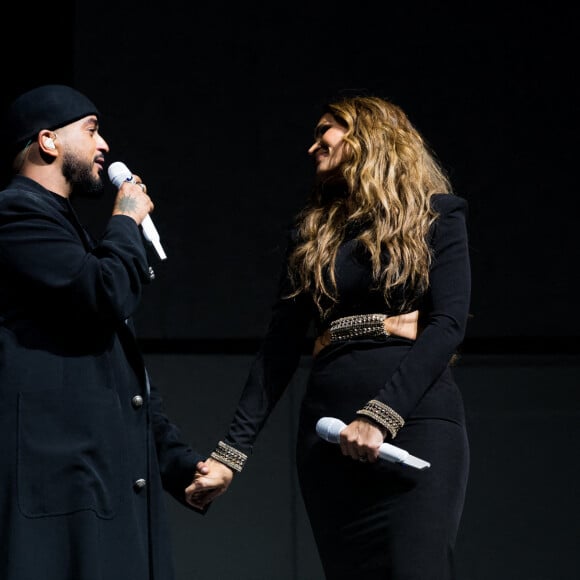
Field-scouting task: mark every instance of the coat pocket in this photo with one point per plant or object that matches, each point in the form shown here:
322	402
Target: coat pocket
69	452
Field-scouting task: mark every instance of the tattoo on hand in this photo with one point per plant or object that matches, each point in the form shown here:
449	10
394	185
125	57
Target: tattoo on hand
127	204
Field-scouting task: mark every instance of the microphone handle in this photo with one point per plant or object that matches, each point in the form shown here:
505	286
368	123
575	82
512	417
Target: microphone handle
392	453
151	233
329	428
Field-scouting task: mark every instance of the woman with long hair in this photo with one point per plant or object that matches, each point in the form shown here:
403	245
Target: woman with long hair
378	261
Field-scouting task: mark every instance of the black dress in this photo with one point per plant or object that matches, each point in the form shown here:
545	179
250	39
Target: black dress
382	520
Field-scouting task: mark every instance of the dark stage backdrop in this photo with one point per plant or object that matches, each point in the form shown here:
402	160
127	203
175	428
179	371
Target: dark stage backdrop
522	512
214	108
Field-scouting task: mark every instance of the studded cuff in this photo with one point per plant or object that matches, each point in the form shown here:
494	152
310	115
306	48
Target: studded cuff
229	456
383	415
358	326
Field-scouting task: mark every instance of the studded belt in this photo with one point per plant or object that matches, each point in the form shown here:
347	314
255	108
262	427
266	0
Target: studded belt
352	327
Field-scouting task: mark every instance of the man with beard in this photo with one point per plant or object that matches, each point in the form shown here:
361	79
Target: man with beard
87	449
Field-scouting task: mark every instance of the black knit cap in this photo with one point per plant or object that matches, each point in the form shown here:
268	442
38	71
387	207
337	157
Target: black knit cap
45	107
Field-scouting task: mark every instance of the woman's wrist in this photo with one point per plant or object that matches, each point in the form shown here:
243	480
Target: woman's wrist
229	456
383	415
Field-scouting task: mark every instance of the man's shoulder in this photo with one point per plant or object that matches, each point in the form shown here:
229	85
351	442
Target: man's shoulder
22	192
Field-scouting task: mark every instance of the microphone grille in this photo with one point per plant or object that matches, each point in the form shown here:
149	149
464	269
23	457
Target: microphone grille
329	428
118	173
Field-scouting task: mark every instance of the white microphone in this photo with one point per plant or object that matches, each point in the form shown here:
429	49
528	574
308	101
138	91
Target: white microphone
329	429
118	173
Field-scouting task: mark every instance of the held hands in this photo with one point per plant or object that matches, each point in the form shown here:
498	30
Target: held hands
361	440
211	479
132	200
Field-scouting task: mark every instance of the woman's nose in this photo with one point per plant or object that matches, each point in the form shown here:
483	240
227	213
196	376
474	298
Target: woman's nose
314	147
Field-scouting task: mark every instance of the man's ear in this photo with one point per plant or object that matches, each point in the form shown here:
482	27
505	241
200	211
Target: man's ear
46	141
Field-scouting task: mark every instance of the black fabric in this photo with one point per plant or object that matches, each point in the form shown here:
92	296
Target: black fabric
74	443
44	107
382	521
389	521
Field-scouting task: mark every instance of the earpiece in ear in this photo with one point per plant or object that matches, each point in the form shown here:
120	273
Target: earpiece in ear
49	143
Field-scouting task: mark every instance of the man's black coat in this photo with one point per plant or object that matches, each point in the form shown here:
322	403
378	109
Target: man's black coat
86	446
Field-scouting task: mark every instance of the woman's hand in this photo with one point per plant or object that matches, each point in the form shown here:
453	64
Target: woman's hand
404	325
211	479
361	440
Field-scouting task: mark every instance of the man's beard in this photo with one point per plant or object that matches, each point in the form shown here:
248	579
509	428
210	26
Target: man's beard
80	176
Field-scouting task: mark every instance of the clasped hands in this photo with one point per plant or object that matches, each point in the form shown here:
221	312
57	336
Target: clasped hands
211	479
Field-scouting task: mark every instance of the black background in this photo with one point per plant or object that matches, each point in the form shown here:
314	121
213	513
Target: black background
214	108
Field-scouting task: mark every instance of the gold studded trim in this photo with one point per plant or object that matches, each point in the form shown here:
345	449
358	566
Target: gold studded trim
358	326
383	415
229	456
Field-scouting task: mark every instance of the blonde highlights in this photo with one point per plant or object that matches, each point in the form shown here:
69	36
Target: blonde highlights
387	176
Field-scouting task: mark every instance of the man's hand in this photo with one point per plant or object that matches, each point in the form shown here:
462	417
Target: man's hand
211	479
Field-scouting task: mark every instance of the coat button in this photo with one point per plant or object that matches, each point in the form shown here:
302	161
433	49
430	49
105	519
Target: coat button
137	401
139	484
151	273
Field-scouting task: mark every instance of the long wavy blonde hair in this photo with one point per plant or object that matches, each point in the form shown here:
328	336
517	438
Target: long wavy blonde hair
387	174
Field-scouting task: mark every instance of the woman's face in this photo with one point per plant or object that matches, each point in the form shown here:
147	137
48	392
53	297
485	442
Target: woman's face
328	147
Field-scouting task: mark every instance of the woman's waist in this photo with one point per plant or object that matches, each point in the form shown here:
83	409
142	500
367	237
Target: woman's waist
375	326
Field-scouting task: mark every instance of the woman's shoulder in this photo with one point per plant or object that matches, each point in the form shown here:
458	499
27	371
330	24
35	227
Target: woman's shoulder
445	203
